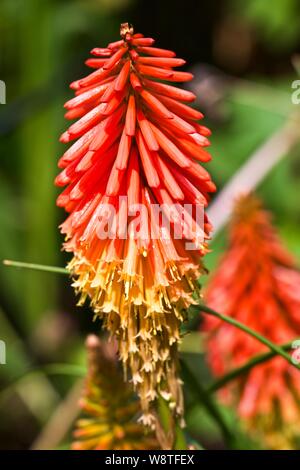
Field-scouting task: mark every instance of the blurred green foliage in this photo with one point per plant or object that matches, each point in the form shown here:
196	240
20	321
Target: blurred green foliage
277	21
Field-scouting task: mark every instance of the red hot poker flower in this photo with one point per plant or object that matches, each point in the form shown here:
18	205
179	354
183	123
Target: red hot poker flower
138	143
257	284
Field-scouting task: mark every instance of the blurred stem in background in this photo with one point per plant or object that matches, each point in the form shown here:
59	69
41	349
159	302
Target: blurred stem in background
39	59
35	392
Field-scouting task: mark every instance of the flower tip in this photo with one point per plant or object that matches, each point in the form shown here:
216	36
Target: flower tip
205	142
188	77
65	137
76	446
126	28
212	188
75	85
58	181
91	62
101	51
204	131
92	341
81	403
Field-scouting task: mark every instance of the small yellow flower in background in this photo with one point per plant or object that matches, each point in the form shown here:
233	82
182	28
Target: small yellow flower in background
110	411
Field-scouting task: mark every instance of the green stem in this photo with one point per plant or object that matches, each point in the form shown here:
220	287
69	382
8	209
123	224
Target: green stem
73	370
206	400
233	374
274	347
168	422
180	440
37	267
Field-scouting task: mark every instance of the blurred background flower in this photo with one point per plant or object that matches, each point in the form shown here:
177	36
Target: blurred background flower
110	411
257	283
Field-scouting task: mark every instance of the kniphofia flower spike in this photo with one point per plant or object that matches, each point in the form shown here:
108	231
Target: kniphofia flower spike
257	283
109	407
136	137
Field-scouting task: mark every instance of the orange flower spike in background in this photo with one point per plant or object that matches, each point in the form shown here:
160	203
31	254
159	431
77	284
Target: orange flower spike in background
136	138
257	283
109	408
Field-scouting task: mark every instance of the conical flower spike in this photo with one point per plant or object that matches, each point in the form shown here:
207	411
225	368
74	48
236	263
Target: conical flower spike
257	283
135	183
109	408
